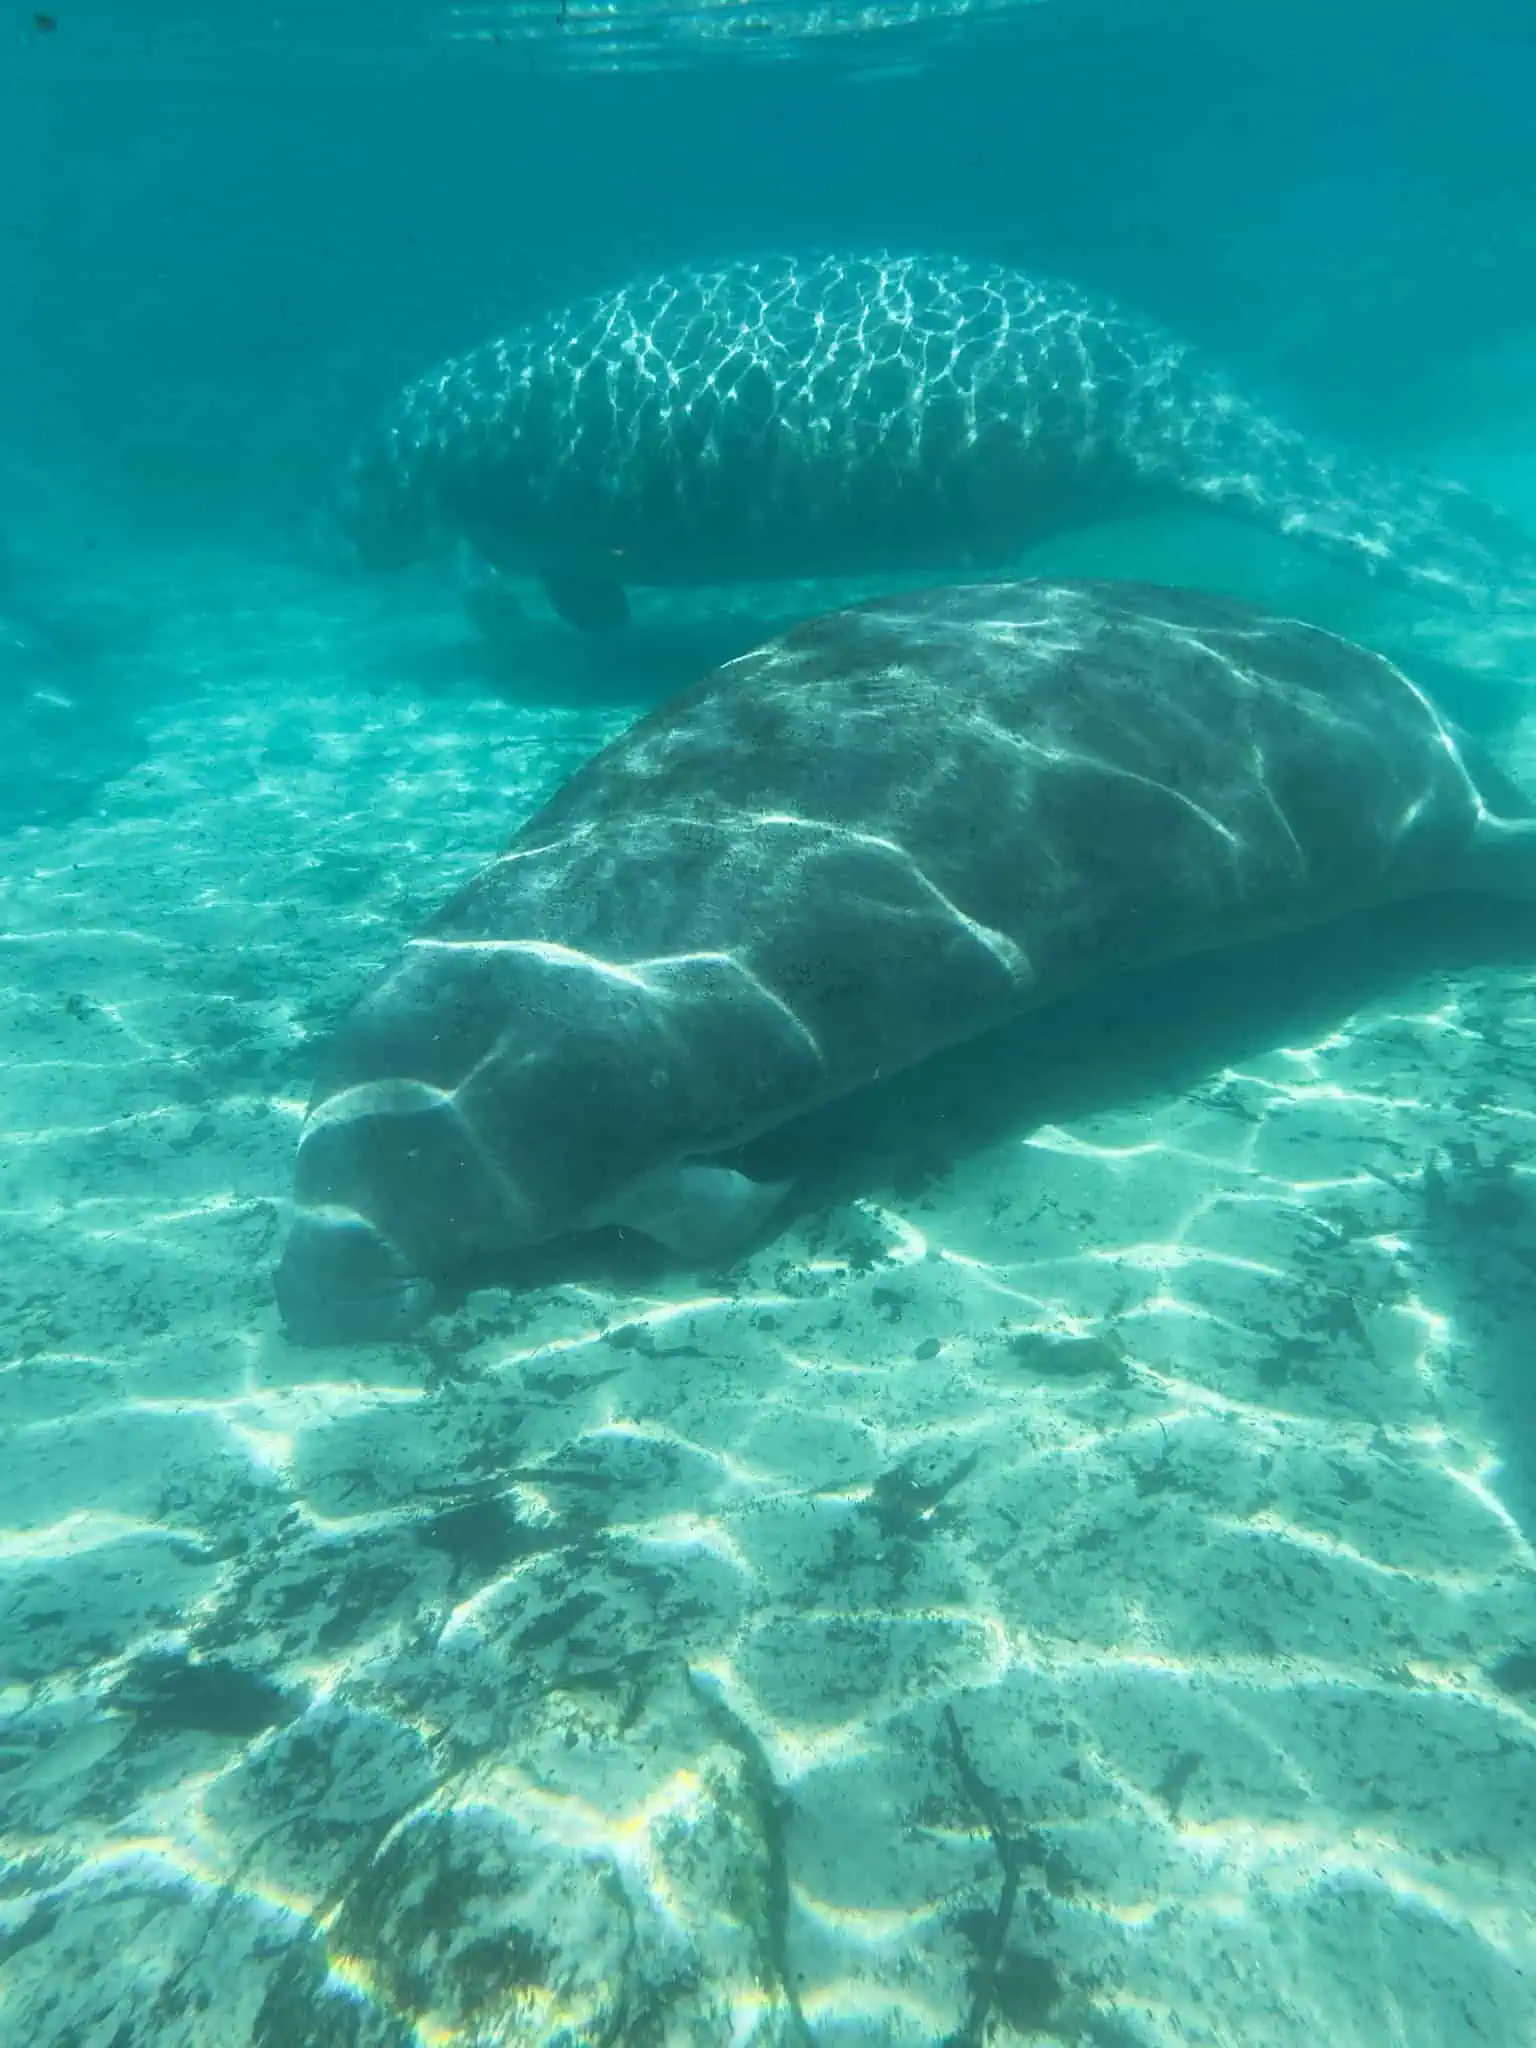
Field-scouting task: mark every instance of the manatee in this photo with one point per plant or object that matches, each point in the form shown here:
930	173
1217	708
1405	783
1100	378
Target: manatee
862	415
876	837
67	725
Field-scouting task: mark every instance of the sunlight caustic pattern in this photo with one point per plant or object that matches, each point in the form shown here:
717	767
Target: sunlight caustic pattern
1100	1554
642	34
849	415
848	851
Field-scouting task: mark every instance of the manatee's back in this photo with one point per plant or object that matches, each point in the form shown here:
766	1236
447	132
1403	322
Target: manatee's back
904	821
873	838
779	415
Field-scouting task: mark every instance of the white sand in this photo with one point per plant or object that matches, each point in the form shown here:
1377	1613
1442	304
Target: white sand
1121	1538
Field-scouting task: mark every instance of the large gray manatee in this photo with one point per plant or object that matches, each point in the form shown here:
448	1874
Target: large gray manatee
853	415
882	834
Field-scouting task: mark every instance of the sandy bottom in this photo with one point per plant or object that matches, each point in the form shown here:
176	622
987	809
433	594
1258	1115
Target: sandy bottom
1078	1591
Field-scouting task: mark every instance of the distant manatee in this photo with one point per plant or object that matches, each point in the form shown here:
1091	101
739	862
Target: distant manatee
862	415
66	725
879	836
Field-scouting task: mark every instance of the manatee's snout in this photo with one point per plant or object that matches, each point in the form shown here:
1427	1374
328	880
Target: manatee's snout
341	1281
373	522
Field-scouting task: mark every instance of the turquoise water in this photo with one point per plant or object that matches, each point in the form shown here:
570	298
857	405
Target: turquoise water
1073	1582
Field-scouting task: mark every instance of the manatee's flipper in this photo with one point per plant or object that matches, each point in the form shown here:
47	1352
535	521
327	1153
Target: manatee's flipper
1503	857
592	604
697	1212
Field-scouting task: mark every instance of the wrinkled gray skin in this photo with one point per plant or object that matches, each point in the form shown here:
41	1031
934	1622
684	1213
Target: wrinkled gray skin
885	833
857	415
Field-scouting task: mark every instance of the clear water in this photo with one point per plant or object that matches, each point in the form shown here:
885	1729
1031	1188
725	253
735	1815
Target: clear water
1074	1586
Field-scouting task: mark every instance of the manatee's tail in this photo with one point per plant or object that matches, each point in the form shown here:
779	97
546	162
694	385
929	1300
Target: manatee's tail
1411	530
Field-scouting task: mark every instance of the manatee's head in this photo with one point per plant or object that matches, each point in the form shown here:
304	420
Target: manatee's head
490	1094
452	460
480	1099
394	1192
378	516
341	1281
